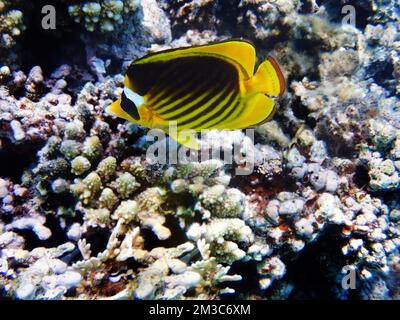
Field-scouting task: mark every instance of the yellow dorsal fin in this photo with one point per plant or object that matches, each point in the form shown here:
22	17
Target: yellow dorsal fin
240	51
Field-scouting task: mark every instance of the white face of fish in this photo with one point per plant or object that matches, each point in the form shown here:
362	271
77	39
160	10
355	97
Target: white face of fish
134	97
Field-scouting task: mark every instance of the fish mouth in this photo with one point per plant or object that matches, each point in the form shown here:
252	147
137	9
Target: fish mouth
114	107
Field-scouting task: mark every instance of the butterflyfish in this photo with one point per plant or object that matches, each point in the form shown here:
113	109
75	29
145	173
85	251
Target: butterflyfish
209	86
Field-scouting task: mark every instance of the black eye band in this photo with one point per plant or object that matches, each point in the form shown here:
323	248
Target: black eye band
129	107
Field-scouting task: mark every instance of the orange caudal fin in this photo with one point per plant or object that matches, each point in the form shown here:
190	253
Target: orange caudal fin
268	79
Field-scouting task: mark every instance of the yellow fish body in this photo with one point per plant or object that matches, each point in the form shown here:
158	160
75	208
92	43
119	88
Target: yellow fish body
202	87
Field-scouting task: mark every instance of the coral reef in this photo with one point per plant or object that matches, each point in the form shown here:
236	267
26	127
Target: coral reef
11	23
102	15
86	213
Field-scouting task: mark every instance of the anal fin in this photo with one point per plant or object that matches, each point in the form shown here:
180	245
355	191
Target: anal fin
257	110
186	138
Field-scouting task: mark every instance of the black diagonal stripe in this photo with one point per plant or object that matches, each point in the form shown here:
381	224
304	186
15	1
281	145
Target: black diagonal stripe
200	90
199	69
175	91
230	110
146	76
217	104
221	108
129	107
172	87
169	72
171	82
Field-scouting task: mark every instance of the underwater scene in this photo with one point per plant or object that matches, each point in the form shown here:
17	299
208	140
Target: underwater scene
199	149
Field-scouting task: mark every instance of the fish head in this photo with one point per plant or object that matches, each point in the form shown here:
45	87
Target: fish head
116	110
128	106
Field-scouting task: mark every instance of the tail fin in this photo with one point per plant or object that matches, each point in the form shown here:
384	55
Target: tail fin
268	79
